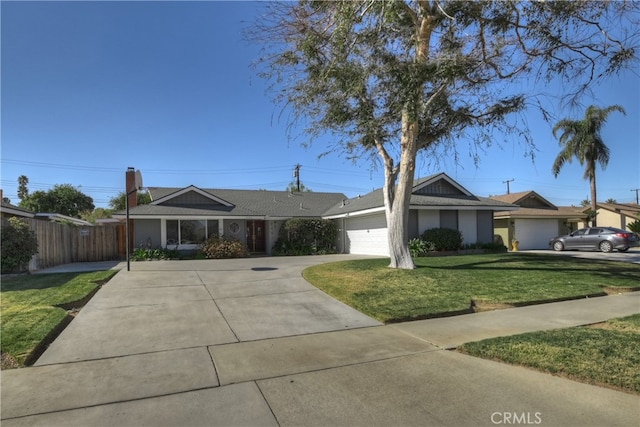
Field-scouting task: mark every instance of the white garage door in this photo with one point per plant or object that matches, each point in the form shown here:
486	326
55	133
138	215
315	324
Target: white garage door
367	235
535	233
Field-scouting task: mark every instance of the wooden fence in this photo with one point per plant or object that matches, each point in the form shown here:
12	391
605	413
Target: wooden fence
62	243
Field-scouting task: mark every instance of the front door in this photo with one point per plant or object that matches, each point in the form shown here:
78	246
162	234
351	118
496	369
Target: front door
256	236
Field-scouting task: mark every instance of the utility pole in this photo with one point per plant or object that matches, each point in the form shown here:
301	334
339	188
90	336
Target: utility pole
296	175
636	190
507	182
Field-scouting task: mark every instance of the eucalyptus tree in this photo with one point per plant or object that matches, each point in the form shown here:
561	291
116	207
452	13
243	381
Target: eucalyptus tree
388	80
581	139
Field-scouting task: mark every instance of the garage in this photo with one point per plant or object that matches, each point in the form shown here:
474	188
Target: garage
367	235
535	233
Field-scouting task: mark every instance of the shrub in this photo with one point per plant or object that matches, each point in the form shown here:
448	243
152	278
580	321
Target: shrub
222	247
149	254
444	239
306	236
489	247
634	226
419	247
19	244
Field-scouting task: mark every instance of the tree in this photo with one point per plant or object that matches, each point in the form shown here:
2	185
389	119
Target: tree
391	79
293	187
23	191
63	199
97	213
119	203
581	139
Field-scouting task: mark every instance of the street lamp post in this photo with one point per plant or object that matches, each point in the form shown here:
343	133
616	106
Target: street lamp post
129	191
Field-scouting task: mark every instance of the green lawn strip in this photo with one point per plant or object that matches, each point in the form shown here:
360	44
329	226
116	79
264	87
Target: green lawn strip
28	306
447	285
604	356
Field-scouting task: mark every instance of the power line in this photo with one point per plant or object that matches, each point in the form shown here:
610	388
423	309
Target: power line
163	171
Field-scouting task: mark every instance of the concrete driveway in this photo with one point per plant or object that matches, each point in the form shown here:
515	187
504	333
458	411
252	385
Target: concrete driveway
250	343
168	305
632	255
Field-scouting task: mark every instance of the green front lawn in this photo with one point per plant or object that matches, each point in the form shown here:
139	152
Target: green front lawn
604	355
448	285
29	306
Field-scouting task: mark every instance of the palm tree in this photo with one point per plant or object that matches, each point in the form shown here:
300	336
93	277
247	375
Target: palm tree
581	139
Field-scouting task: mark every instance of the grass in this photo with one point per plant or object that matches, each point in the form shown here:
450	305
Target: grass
448	285
605	354
30	307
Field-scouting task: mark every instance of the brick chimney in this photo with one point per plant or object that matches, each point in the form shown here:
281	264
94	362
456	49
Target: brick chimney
130	185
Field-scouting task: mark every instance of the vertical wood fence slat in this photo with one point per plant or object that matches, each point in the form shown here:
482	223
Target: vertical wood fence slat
63	244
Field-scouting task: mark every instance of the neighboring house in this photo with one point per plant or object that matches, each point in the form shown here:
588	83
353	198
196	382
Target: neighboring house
55	217
618	215
183	217
437	201
536	222
8	210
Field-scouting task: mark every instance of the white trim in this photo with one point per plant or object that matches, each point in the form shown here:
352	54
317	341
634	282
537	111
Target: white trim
422	207
463	208
356	213
187	190
194	217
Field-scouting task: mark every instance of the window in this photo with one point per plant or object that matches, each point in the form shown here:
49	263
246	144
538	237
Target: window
190	232
212	227
595	231
172	232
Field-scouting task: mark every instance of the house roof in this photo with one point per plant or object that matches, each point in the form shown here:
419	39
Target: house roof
559	212
9	209
629	209
62	218
523	197
533	205
193	201
435	191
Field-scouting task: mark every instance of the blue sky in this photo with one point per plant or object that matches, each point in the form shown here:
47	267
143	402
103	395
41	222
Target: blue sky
91	88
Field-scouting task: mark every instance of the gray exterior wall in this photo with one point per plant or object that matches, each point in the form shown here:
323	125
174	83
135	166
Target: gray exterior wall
485	226
146	232
449	219
414	231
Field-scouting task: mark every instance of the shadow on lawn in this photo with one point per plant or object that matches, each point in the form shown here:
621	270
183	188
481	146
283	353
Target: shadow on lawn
36	281
541	263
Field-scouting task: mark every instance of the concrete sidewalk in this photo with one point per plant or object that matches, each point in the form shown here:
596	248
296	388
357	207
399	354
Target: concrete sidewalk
249	342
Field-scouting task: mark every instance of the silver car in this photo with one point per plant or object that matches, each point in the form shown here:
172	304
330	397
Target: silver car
605	239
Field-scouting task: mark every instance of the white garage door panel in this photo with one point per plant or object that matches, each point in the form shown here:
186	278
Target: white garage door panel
367	235
535	233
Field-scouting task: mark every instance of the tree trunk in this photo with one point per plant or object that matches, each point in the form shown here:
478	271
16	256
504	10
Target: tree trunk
594	203
397	196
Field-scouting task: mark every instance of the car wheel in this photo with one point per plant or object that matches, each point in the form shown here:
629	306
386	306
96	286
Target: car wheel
558	246
605	246
623	249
